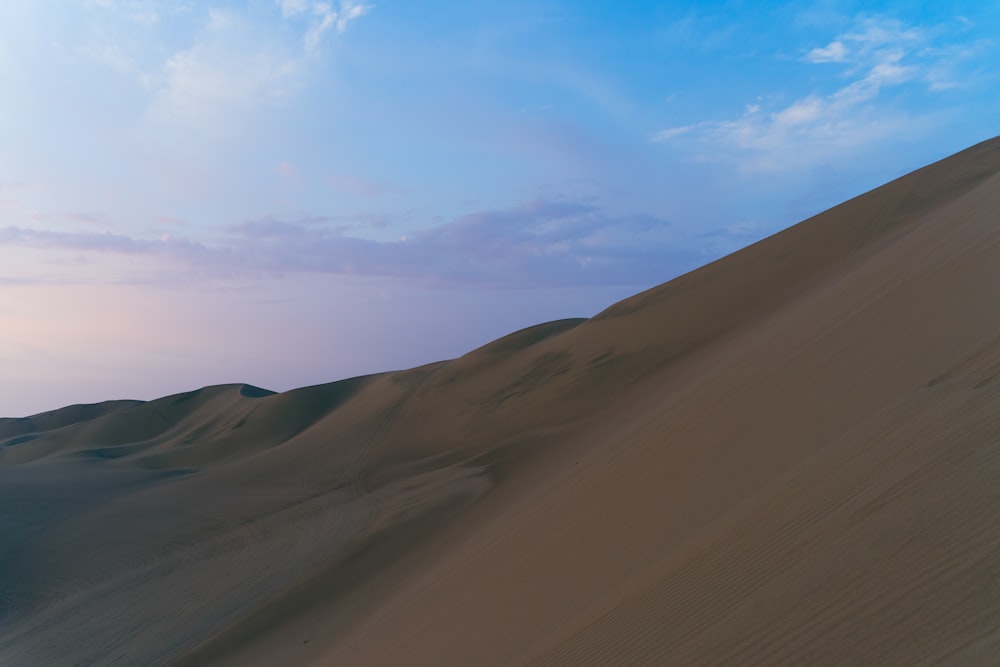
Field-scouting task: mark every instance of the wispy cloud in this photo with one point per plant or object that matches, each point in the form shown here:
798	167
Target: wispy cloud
115	57
540	242
871	41
322	17
233	59
230	69
671	132
834	52
874	56
91	241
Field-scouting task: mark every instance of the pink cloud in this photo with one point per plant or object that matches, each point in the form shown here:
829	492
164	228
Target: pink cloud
539	242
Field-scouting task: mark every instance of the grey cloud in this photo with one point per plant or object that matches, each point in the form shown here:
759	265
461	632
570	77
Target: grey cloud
536	243
102	242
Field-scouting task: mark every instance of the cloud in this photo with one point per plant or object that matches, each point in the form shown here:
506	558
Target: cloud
875	55
322	17
115	57
876	32
89	241
14	207
834	52
231	60
671	132
945	72
147	12
292	7
536	243
350	10
540	242
871	40
230	69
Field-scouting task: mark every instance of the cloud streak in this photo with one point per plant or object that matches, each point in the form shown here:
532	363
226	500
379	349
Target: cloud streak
322	17
536	243
233	60
876	55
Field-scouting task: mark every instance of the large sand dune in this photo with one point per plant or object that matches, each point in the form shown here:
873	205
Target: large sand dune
790	456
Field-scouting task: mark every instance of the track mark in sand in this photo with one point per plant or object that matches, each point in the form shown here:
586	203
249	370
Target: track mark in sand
981	369
352	473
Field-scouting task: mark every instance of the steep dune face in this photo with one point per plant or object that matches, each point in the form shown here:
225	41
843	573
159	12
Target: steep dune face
789	456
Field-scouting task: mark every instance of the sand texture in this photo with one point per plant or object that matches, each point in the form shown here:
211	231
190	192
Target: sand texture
790	456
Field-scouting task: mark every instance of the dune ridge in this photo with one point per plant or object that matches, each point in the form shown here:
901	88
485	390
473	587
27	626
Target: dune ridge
788	456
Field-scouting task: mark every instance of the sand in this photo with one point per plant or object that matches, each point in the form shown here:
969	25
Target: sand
789	456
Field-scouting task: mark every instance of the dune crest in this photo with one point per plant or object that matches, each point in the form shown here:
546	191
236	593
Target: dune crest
788	456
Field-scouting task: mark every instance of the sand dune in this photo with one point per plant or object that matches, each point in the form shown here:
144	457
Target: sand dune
789	456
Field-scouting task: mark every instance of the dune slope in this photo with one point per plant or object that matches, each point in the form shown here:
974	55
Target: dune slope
789	456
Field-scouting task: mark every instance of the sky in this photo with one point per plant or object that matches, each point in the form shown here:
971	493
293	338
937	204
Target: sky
292	192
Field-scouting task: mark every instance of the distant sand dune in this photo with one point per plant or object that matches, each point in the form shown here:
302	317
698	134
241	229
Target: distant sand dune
789	456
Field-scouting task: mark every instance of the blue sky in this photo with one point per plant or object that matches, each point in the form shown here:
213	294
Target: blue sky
291	192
